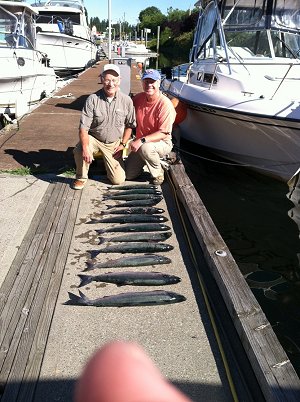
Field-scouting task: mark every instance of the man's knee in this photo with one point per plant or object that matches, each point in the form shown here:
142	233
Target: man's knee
117	179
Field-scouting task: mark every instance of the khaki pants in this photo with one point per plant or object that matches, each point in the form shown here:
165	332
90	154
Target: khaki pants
114	167
149	154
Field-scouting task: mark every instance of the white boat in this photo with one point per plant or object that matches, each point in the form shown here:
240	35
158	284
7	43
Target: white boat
242	86
132	48
25	77
64	35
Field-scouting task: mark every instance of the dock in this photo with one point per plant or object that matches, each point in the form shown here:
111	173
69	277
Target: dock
215	346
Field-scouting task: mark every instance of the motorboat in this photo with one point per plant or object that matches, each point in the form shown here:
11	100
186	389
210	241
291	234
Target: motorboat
64	35
242	85
132	48
25	75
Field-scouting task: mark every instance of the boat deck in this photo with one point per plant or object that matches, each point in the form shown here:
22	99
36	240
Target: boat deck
44	343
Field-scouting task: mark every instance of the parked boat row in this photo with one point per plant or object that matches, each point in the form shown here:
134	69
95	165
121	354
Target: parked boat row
242	84
36	44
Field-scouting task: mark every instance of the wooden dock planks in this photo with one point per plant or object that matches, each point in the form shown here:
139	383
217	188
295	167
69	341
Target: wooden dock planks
29	293
275	373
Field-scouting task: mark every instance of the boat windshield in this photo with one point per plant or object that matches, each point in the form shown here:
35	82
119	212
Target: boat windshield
51	17
247	29
262	14
60	3
16	28
257	44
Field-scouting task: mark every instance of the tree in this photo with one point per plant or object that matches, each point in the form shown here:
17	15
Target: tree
151	18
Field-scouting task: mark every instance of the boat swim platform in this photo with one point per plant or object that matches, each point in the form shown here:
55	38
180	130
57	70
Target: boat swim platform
45	344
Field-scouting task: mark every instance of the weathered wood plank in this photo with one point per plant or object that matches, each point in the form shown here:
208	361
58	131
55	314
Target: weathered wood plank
14	270
41	335
17	366
23	280
274	371
14	317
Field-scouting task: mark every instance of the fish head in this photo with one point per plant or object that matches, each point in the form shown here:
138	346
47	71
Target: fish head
176	297
172	278
164	260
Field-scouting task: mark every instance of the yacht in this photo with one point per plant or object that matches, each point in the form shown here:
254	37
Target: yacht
64	35
241	87
25	75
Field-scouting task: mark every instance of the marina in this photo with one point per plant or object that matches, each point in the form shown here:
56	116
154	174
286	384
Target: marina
45	343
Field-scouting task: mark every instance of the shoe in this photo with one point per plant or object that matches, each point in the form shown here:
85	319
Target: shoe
158	180
78	184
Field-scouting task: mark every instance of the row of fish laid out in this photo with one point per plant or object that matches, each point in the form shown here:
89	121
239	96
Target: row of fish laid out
142	231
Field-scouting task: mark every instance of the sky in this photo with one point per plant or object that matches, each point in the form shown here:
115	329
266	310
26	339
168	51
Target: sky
131	8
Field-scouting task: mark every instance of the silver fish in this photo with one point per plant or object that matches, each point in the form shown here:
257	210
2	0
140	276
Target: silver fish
138	203
132	211
132	186
143	278
134	191
143	247
138	218
132	197
147	236
137	227
150	298
132	261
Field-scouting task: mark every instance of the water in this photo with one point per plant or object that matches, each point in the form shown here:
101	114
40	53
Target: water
250	211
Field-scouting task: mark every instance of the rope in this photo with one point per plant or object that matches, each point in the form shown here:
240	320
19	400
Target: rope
205	295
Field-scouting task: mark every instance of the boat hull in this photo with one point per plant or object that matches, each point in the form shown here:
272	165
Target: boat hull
269	145
260	133
67	53
23	79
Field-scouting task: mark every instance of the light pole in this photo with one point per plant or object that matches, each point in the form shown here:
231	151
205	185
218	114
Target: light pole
109	30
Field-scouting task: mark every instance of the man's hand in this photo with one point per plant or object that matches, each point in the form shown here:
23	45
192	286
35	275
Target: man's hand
117	154
87	157
135	145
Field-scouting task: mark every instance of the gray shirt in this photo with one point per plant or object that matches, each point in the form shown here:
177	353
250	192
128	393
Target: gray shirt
106	120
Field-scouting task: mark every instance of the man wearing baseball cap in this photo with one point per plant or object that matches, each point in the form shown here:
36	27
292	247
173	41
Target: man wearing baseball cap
106	124
155	115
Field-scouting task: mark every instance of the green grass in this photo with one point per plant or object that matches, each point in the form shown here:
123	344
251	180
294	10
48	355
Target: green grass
25	171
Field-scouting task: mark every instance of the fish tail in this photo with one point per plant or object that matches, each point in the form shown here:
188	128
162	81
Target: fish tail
85	280
101	240
89	265
110	206
100	231
94	253
74	299
93	220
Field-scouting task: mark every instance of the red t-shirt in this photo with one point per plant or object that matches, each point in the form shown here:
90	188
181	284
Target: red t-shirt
153	116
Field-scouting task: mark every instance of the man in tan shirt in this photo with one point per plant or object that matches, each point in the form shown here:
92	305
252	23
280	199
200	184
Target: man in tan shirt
107	118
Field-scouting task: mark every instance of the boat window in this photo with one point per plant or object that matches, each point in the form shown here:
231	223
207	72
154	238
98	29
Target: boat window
59	3
286	44
244	13
27	40
8	25
206	27
249	44
47	17
287	14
